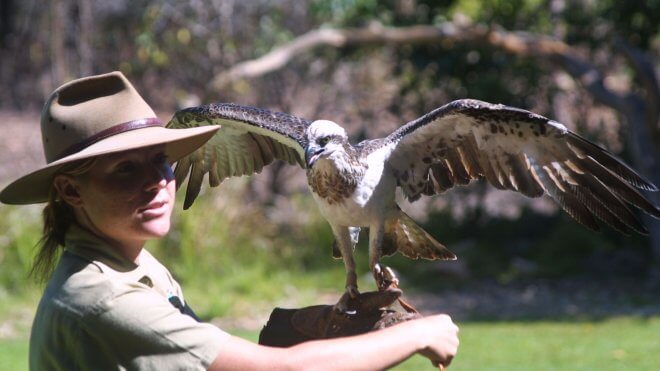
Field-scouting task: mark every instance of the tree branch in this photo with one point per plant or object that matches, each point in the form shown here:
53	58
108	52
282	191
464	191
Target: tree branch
518	43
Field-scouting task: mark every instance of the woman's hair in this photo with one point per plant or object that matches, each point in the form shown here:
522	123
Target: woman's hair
57	218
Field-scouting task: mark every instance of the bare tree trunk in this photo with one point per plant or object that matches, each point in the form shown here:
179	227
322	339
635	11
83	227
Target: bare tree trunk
86	21
643	116
59	66
6	19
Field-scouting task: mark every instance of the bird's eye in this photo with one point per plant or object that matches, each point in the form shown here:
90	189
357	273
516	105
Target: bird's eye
323	141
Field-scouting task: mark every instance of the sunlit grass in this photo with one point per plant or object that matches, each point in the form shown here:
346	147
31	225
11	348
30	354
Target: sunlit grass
625	343
14	354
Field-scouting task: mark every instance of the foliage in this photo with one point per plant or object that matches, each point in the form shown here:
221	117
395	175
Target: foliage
21	231
173	49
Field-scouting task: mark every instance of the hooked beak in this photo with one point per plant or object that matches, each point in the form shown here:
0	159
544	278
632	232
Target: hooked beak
312	154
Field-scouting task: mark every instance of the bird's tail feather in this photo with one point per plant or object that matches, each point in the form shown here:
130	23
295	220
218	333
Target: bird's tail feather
404	235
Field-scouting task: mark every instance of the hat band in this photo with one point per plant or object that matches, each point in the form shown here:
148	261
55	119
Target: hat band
113	130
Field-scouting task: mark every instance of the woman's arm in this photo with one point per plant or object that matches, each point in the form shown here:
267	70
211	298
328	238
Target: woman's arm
435	337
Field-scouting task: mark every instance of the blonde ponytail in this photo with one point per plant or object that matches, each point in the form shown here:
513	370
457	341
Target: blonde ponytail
58	216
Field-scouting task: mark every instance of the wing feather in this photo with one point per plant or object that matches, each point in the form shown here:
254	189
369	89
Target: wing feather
522	177
265	147
612	202
489	171
249	139
620	186
197	170
214	176
520	151
441	174
604	157
567	201
258	158
458	170
182	169
470	158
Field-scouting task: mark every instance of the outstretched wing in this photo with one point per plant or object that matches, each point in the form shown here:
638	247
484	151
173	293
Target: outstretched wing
249	139
521	151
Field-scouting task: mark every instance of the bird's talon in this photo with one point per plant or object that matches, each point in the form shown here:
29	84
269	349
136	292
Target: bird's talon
385	277
391	277
342	305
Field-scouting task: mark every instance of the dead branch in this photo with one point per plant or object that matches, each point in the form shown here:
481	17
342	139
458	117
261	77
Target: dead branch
517	43
522	44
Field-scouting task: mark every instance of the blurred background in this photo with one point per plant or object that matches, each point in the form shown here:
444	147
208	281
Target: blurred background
530	281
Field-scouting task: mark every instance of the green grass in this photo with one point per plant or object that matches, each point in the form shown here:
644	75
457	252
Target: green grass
232	260
626	343
13	354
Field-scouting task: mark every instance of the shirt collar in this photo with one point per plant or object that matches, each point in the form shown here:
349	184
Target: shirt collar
89	246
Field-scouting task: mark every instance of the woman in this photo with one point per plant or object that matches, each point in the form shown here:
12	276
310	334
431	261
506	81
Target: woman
110	304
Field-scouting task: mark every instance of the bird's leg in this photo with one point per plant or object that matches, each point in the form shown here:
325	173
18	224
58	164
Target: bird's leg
345	245
384	275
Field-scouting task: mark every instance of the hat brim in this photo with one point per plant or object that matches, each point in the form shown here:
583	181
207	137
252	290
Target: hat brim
34	187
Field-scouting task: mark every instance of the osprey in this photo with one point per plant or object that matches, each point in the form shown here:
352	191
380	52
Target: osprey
354	186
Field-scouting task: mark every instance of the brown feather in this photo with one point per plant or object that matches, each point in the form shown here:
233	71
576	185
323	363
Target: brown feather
489	172
596	207
265	147
255	148
608	161
470	158
194	181
404	235
181	171
500	170
610	201
523	179
565	200
458	171
222	162
618	186
442	175
214	178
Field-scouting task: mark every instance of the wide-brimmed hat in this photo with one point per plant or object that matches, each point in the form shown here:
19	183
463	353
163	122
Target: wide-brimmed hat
94	116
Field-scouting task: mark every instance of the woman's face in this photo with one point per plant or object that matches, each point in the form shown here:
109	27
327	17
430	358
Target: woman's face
127	197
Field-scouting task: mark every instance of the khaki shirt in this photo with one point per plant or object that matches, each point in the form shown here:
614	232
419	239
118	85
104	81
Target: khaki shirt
101	311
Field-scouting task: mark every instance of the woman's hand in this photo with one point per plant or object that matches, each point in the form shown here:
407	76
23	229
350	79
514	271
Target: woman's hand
435	337
441	337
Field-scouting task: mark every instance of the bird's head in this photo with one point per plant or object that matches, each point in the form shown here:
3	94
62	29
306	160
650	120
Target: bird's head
324	138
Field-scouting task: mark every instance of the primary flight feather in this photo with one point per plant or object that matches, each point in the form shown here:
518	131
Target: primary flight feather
354	186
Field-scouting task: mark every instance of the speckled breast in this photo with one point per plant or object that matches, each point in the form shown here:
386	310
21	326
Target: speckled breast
332	187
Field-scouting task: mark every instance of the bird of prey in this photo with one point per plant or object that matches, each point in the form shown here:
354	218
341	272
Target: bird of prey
354	185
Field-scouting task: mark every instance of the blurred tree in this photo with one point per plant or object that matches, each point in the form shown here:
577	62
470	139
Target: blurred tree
588	64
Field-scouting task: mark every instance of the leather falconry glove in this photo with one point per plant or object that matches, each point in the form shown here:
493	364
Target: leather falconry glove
369	311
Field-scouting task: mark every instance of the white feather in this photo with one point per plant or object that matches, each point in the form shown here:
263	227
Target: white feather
324	128
373	198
